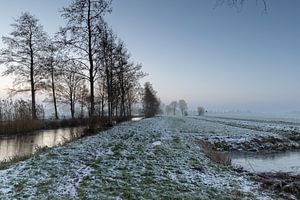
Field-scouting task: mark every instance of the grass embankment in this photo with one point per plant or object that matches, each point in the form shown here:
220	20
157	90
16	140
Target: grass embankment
4	164
97	126
151	159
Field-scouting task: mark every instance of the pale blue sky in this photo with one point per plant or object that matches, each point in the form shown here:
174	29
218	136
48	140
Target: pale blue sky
220	58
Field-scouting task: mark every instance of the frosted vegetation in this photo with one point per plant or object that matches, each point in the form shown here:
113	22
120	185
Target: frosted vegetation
155	158
256	135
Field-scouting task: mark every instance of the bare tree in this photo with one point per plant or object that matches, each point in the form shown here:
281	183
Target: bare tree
200	110
122	66
106	55
68	91
81	34
83	96
182	106
168	109
52	62
127	76
132	86
150	101
173	105
22	56
120	74
101	96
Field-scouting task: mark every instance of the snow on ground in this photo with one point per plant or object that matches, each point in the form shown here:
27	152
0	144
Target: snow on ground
156	158
280	126
233	134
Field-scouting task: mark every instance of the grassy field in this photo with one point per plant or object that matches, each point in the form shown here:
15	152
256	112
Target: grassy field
156	158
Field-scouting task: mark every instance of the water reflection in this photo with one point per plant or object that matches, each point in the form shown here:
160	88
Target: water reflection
284	161
136	118
27	144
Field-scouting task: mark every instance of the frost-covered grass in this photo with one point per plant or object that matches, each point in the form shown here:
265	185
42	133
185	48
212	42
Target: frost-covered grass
232	134
157	158
279	126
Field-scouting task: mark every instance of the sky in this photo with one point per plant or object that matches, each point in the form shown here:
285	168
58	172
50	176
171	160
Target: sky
222	58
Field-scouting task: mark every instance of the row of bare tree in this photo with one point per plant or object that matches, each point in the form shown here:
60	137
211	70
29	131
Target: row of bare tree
172	107
84	64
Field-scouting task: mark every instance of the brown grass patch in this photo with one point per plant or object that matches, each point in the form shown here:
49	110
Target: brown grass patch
221	158
286	185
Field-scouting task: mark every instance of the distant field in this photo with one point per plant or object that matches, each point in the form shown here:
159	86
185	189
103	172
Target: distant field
288	117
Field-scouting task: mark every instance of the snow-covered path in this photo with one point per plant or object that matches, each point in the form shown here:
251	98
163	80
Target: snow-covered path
156	158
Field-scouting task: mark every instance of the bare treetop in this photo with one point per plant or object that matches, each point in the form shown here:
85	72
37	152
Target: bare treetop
23	54
82	34
239	3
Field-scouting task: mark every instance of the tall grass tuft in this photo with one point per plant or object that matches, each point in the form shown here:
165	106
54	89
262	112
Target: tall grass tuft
222	158
15	116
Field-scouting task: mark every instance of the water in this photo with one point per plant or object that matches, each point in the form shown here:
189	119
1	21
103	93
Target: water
18	145
274	162
28	143
136	118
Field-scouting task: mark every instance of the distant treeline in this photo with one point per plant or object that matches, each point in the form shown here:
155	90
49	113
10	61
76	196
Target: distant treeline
15	118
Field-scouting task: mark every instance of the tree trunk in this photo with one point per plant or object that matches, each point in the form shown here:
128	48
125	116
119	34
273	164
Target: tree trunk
109	105
81	109
72	110
34	116
108	94
33	109
116	108
129	107
91	71
122	95
53	91
102	105
111	89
